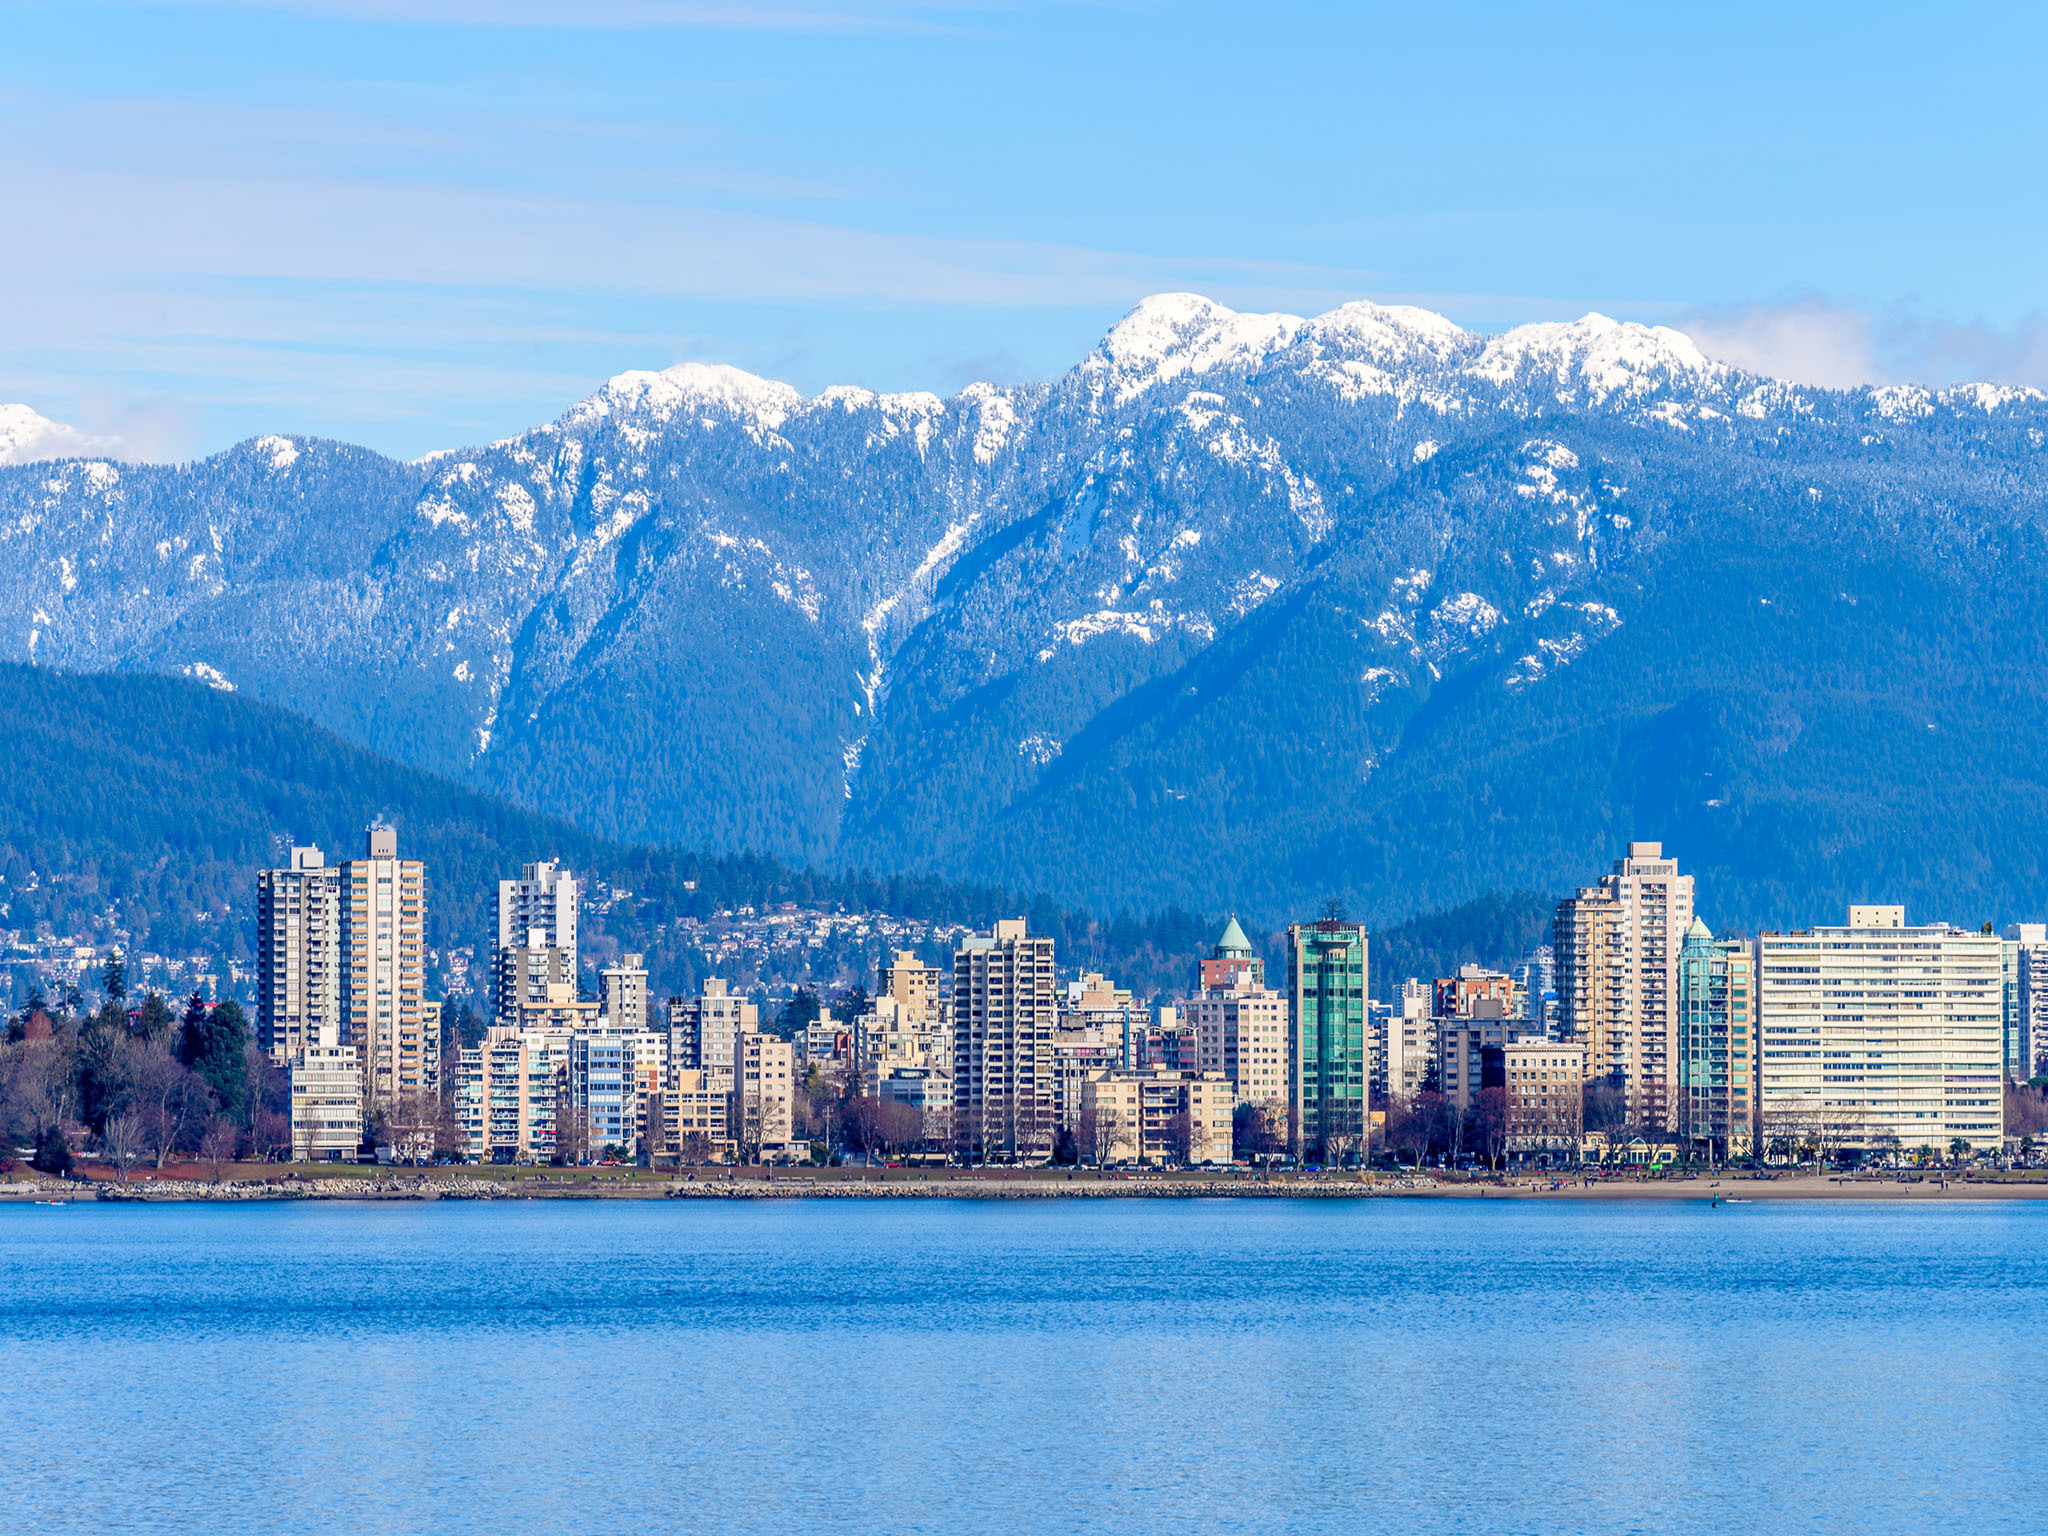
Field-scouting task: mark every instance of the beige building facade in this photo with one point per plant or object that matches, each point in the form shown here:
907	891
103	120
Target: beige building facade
1616	946
384	1012
1877	1036
1004	1011
298	956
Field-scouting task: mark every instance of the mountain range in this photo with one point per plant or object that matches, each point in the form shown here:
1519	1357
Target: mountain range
1240	612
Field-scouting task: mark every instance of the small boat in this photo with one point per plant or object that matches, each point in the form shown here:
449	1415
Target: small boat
53	1202
1737	1200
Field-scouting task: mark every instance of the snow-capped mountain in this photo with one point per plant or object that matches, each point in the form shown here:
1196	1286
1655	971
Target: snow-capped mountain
1240	609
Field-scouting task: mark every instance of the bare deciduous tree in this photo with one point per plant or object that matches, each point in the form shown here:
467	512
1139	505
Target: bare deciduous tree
123	1139
1488	1124
217	1147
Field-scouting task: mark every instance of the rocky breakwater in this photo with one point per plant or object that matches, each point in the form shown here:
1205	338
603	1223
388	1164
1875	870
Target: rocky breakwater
800	1187
294	1187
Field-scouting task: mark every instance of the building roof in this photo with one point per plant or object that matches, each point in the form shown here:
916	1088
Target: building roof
1233	938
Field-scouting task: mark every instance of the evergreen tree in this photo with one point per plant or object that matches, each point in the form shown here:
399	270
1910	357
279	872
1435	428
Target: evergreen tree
155	1021
216	1046
99	1063
800	1015
114	978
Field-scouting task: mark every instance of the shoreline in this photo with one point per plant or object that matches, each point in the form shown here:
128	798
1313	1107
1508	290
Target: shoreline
438	1185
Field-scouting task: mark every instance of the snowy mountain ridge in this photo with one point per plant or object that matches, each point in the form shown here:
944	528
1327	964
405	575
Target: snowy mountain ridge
946	634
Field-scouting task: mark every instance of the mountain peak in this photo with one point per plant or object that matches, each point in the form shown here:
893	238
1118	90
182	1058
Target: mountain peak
1170	334
1607	356
26	436
689	386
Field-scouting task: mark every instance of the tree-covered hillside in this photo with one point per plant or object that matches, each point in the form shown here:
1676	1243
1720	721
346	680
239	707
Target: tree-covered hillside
149	802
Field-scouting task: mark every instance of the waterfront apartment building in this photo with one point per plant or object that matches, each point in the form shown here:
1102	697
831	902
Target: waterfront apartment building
1716	1044
1880	1037
926	1090
1078	1050
384	1012
1545	1082
593	1100
1004	1012
508	1093
1157	1116
327	1104
298	956
761	1115
1328	1066
1615	946
2026	1029
687	1120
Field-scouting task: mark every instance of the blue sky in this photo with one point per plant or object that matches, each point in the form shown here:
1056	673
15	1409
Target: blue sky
420	223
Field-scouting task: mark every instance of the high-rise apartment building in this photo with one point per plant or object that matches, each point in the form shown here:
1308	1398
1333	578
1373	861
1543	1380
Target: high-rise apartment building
622	989
1004	1009
1615	947
543	898
508	1094
1328	1065
298	956
536	945
1465	1047
384	1013
1879	1036
915	986
704	1031
1239	1023
1716	1044
1241	1032
2026	1034
532	974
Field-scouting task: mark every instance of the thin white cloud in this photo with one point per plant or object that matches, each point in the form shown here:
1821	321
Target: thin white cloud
1813	340
157	228
622	15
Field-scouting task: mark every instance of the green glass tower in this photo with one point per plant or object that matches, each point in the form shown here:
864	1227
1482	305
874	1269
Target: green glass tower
1716	1049
1328	1067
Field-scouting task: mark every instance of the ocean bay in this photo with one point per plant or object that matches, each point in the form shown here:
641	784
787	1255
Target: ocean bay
976	1366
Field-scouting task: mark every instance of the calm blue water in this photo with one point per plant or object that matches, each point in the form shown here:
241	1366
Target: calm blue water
1400	1366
